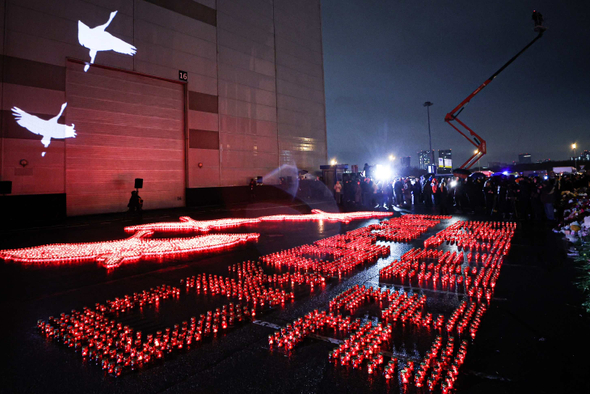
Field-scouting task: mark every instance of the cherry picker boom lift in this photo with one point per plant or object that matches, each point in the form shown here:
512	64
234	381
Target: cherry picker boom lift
451	117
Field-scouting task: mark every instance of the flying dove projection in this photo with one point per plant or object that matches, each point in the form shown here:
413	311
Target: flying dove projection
47	128
97	39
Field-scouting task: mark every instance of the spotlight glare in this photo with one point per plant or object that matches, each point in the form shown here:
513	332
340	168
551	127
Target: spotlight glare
382	172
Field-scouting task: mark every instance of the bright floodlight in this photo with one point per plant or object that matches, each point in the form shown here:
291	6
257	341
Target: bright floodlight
475	152
453	183
391	157
382	172
574	146
333	162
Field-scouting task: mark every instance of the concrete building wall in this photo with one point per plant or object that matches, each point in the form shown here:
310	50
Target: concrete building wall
254	99
300	84
247	91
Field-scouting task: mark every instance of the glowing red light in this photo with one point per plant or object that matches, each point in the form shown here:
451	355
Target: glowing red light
189	225
112	254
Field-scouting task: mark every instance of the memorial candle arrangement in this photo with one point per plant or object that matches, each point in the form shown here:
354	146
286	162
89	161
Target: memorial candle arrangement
493	237
472	269
96	335
403	229
189	225
331	257
139	247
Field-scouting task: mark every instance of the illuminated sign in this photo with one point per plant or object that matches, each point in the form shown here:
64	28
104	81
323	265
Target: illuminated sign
97	39
47	128
448	163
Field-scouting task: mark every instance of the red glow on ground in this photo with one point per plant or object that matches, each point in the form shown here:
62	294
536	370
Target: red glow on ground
112	254
189	225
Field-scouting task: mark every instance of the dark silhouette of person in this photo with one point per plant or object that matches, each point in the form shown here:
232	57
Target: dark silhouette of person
135	202
398	188
252	189
443	192
538	18
427	192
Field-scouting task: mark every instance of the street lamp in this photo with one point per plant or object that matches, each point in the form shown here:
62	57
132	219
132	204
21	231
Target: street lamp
574	146
428	104
391	157
333	162
475	152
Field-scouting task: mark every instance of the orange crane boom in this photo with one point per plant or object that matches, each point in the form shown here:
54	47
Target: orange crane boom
473	137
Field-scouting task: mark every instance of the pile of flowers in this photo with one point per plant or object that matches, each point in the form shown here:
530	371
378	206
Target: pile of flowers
576	214
576	227
583	256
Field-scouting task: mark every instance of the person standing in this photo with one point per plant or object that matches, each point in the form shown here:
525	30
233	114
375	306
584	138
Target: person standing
338	192
252	189
427	192
435	192
444	197
358	193
548	199
367	189
489	190
408	192
417	191
537	205
377	195
388	194
135	204
398	188
537	18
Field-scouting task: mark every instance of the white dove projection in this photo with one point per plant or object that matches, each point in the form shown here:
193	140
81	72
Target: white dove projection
47	128
97	39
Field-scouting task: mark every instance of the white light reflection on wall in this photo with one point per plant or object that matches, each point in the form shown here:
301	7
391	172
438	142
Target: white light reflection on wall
47	128
97	39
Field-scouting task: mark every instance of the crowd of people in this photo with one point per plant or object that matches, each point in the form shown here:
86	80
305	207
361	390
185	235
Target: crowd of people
503	197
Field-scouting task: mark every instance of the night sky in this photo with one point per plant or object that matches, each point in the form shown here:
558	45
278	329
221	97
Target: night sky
384	58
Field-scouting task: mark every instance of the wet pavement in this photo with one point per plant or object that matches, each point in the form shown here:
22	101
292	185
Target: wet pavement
533	338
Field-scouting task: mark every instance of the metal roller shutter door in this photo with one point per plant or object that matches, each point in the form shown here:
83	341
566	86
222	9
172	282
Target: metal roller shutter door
128	126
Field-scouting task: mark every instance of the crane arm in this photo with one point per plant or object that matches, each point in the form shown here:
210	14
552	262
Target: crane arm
473	137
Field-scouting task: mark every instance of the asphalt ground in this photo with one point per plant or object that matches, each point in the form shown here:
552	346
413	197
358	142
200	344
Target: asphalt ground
533	338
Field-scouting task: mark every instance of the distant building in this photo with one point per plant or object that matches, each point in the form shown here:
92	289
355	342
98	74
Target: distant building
406	161
445	161
497	164
425	159
524	158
